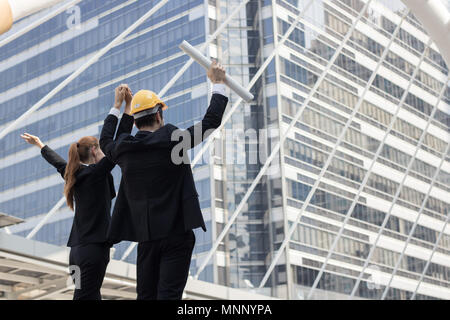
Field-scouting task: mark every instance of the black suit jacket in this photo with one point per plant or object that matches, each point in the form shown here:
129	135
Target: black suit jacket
94	190
157	197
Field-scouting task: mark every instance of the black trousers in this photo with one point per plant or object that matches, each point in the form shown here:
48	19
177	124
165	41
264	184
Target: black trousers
163	267
92	260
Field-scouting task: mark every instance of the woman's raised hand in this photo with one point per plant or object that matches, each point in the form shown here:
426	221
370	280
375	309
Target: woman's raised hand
32	140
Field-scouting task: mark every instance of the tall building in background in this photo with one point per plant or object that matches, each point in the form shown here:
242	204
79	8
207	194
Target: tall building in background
369	157
392	96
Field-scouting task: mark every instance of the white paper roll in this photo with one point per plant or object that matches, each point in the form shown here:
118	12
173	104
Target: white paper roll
205	63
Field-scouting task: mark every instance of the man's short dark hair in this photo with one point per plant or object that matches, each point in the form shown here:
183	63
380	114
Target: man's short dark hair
149	120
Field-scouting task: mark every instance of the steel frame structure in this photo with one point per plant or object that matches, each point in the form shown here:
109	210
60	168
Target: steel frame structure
399	189
438	240
379	149
311	193
276	149
413	228
397	194
369	171
330	157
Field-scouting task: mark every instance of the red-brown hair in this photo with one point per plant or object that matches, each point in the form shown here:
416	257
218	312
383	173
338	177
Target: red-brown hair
78	152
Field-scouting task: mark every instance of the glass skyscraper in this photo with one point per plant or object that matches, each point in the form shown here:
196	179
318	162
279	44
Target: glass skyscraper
367	87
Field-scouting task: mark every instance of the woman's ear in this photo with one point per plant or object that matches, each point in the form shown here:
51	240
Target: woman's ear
94	152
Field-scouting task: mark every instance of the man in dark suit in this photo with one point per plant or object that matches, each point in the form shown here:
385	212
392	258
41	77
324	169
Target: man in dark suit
157	203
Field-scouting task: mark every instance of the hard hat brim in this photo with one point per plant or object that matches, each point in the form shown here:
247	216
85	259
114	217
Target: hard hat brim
149	111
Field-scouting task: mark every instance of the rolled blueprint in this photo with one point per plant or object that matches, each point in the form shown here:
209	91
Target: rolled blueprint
13	10
205	63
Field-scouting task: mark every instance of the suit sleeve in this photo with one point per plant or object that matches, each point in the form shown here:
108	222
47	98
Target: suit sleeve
107	135
107	143
103	167
54	159
210	121
125	125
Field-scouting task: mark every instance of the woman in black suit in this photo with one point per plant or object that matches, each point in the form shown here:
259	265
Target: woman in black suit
89	189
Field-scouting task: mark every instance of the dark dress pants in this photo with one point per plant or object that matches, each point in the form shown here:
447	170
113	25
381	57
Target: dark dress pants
163	267
91	260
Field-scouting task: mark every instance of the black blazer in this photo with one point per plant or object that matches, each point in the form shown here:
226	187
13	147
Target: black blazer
94	190
156	197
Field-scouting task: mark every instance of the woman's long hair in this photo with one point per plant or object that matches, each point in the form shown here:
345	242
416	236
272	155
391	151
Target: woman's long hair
78	152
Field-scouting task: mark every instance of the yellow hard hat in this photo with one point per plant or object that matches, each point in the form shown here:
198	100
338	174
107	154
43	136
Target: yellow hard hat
144	103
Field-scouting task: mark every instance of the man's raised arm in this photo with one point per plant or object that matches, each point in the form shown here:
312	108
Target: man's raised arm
213	117
107	141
